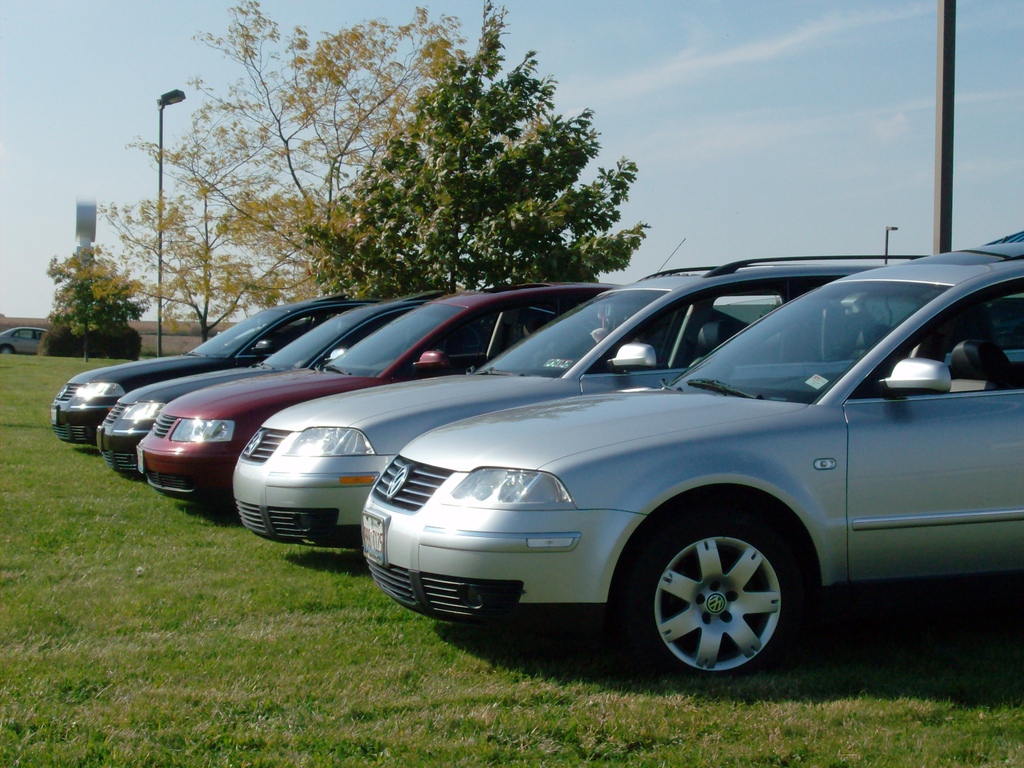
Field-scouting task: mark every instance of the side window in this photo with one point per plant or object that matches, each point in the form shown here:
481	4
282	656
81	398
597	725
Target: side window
518	323
287	332
982	343
687	331
467	345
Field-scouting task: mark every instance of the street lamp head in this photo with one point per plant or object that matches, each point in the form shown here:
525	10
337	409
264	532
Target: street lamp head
171	97
891	229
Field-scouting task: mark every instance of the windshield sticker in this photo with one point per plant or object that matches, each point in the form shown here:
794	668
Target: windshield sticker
816	381
556	362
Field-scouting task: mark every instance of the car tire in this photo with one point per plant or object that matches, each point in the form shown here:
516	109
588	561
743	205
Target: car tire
715	591
6	349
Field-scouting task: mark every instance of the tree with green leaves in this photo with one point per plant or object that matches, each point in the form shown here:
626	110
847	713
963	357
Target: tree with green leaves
92	296
272	155
483	188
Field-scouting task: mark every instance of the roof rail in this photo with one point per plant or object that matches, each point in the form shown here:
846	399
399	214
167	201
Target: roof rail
1017	238
735	266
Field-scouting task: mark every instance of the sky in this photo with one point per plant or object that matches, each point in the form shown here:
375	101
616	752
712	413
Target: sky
760	129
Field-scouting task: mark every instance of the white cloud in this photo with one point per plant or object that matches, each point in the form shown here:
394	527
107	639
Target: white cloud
691	64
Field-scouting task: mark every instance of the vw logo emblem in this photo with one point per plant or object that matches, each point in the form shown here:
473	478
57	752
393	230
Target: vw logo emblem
253	442
716	603
397	482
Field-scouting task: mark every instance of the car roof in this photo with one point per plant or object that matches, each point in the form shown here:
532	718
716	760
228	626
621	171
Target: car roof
954	267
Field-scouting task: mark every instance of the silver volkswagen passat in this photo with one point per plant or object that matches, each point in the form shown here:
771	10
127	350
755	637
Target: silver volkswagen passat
868	432
307	473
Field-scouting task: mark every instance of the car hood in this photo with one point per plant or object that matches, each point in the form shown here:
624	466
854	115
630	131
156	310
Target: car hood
143	372
263	394
165	391
535	437
391	416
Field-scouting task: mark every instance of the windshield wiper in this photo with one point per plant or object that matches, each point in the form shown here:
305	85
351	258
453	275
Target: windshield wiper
718	386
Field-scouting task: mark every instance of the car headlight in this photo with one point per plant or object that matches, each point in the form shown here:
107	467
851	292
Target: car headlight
146	411
203	431
329	441
96	389
511	486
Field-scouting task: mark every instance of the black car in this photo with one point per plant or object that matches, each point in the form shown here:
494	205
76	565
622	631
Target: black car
135	413
83	403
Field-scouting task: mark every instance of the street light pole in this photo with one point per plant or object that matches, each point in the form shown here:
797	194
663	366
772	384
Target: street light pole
887	231
171	97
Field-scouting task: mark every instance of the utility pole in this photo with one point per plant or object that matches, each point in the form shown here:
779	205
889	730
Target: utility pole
943	217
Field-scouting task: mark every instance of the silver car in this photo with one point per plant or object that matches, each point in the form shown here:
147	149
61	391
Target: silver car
867	433
306	475
21	340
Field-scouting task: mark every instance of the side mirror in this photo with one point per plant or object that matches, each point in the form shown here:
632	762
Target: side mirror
336	353
432	360
919	374
263	346
635	356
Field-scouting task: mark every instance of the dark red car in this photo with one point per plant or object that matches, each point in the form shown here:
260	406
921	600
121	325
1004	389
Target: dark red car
192	449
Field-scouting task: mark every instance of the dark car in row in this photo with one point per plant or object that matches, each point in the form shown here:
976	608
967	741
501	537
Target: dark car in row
84	402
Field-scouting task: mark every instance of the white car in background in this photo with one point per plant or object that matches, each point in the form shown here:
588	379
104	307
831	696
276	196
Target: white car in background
867	434
306	474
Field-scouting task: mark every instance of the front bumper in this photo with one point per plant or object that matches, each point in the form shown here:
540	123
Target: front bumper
300	500
119	448
499	566
77	423
191	471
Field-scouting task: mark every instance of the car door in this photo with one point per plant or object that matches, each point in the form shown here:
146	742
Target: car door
934	480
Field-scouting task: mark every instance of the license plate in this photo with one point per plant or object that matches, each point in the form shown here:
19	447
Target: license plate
54	409
374	539
138	459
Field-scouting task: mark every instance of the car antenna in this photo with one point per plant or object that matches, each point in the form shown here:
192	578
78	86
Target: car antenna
659	269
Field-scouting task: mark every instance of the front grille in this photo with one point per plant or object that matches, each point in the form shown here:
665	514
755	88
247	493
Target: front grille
121	462
263	445
114	415
454	598
165	482
447	597
420	484
301	524
295	525
163	425
395	582
67	392
252	517
75	434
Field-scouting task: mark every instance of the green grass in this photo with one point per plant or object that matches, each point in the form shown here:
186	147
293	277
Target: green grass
135	630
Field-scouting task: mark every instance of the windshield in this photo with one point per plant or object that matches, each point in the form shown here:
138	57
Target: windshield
229	342
799	351
556	348
380	349
305	350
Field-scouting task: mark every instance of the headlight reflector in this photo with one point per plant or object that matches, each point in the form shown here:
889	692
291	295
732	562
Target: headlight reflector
203	431
99	389
330	441
512	486
145	411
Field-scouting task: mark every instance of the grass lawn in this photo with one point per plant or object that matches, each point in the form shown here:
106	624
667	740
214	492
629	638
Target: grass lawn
136	630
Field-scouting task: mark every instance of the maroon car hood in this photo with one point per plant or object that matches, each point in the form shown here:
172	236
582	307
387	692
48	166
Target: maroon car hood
240	400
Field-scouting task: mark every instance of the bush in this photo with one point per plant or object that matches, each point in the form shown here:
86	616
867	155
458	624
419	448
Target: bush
123	343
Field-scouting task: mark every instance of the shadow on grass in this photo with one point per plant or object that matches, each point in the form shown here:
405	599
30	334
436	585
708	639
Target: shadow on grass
347	561
215	512
965	656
